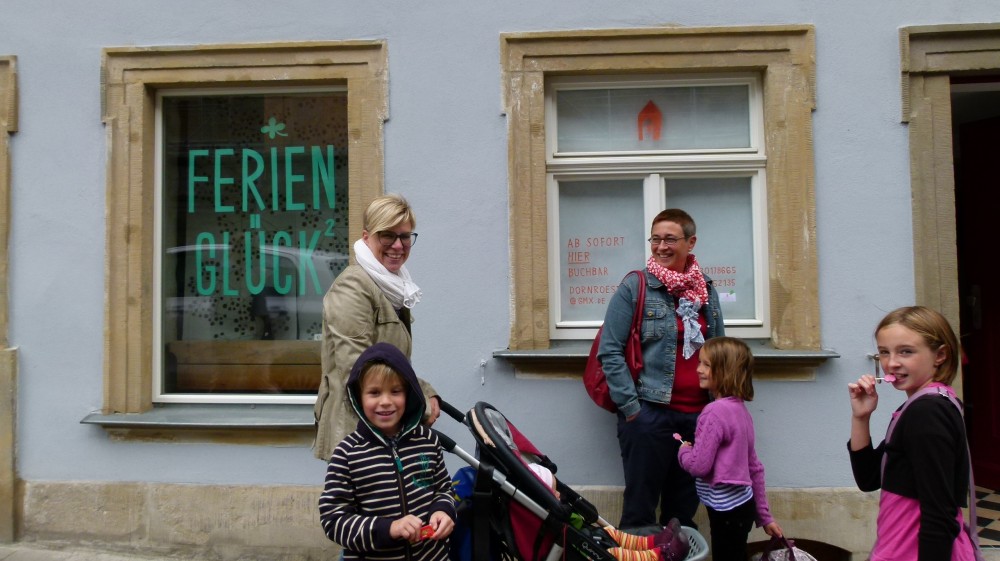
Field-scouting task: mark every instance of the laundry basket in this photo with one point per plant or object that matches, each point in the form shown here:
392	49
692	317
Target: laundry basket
699	547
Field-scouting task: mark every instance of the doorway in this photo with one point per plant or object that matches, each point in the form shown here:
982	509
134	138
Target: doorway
976	145
953	71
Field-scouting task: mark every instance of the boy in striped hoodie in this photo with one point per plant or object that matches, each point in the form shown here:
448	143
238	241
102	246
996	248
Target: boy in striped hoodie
387	494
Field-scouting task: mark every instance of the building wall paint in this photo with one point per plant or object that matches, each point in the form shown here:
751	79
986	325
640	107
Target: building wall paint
445	149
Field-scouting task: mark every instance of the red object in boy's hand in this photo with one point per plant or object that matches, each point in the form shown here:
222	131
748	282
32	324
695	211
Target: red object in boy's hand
426	532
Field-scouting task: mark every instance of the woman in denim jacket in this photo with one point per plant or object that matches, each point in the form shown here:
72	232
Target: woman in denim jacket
681	310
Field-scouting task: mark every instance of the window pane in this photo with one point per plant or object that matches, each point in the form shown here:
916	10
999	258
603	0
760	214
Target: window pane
254	230
722	210
661	118
601	239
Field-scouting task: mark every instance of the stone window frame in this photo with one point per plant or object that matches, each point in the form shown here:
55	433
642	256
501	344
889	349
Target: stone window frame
8	126
130	80
929	56
8	356
784	55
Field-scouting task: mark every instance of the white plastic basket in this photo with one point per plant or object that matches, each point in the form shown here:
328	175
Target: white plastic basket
699	547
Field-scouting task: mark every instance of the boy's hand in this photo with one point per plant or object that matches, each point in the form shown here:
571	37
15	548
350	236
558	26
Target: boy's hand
442	524
406	528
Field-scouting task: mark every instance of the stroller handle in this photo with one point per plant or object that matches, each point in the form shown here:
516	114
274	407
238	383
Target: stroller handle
446	441
451	410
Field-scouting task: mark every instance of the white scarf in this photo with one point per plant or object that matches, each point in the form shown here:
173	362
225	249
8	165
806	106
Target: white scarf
399	288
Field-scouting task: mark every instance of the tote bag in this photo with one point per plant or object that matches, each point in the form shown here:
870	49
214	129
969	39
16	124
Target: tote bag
782	549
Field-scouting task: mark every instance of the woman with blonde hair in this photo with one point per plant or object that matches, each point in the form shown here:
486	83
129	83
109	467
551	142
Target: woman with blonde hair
368	303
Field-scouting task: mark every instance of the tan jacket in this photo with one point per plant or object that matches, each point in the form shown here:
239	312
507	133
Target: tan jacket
356	315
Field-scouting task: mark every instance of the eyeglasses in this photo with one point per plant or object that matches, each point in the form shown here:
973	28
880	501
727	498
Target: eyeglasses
670	241
388	239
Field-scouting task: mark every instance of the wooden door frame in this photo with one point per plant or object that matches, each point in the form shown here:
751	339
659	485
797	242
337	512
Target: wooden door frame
930	55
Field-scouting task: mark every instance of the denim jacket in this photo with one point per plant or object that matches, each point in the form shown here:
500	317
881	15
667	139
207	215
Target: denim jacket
659	341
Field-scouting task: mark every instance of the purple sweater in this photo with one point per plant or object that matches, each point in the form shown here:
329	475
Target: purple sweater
723	451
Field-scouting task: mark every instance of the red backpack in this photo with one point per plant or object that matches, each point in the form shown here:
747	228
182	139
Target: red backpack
593	374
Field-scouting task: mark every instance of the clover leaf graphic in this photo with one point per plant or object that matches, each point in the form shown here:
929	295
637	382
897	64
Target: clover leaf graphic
273	127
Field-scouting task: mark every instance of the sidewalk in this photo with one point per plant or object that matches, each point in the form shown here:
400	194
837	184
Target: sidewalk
37	552
34	551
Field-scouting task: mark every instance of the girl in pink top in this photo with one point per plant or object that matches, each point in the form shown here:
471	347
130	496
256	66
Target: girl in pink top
923	471
728	476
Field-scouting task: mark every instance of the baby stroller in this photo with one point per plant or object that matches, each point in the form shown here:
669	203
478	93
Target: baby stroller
514	515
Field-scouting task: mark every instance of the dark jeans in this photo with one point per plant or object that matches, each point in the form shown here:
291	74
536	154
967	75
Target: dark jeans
652	474
730	529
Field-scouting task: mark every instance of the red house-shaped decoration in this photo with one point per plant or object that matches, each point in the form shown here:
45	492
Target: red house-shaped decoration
651	119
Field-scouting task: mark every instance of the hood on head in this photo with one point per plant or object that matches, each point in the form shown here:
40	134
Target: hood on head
392	357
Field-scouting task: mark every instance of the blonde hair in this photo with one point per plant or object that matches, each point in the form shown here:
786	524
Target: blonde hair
387	212
379	373
936	332
732	367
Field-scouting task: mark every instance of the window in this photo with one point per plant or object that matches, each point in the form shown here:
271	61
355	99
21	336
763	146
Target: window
231	200
736	152
620	150
252	232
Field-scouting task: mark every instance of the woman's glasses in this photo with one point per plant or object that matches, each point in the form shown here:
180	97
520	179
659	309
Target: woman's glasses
388	239
669	241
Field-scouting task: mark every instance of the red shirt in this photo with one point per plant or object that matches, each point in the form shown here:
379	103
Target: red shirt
686	395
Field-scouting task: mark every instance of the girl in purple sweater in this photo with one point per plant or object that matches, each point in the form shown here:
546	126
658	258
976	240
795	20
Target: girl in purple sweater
728	476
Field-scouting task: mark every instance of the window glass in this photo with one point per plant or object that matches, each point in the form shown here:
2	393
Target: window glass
600	241
678	134
723	212
653	118
253	230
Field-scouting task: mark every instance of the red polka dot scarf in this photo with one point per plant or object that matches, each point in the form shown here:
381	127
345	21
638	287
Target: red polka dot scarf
691	292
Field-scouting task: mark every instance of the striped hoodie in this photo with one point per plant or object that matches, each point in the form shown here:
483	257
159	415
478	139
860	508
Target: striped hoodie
373	480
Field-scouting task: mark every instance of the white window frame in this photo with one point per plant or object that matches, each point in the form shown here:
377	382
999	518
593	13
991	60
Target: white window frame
653	167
